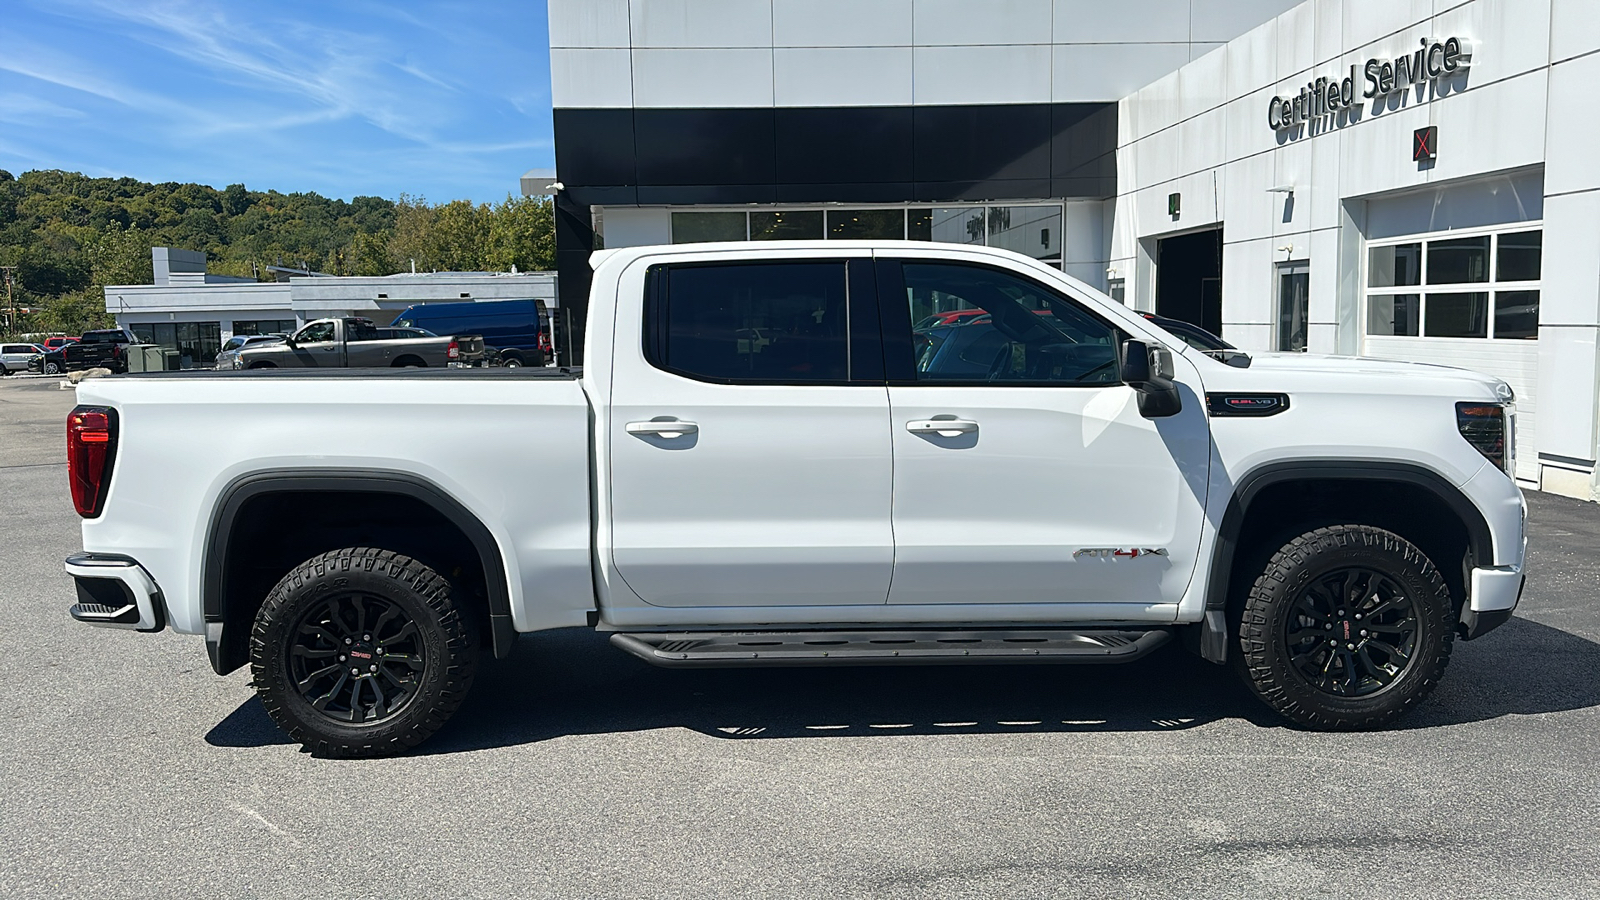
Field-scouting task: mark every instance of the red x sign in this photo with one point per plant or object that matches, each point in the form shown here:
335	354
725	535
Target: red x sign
1425	143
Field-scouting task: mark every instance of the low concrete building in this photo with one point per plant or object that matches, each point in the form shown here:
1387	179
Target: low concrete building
188	310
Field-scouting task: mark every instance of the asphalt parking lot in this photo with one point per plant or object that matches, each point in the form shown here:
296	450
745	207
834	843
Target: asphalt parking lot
128	769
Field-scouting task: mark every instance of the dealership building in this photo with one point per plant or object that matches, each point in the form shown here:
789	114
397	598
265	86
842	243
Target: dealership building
1405	179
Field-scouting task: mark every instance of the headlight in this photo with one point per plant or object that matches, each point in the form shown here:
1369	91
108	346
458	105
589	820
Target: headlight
1486	426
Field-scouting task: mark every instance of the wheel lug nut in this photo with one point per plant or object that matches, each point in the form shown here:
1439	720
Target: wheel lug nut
372	668
355	671
1349	646
341	657
1328	627
368	637
1363	632
347	640
1358	616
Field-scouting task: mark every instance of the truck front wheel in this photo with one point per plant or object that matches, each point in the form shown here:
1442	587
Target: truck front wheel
361	652
1347	628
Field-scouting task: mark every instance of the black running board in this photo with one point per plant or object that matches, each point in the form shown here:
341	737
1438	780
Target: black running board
871	648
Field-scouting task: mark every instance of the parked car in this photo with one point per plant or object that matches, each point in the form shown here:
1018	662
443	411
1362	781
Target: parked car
518	329
56	343
16	357
950	317
228	356
1189	333
811	497
50	362
106	348
354	342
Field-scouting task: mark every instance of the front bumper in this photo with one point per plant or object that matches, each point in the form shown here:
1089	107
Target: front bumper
115	592
1492	595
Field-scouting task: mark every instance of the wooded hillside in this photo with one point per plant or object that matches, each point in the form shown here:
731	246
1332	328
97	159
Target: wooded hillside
68	235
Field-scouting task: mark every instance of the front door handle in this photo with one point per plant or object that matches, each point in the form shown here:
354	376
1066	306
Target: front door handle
667	429
942	427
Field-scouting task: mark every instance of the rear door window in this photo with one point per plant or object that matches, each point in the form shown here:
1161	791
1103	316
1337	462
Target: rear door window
753	323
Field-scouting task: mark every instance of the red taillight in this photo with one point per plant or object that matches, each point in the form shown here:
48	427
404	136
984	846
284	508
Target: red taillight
544	343
91	448
454	351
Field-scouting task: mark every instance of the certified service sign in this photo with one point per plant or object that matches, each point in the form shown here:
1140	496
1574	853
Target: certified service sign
1378	78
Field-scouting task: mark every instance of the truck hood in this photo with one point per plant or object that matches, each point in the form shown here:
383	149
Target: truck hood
1266	367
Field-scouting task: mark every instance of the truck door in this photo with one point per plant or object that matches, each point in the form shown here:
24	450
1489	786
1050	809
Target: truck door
1024	472
749	440
318	344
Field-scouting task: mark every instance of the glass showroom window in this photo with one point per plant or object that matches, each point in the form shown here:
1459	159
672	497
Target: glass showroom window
697	227
1483	285
1032	229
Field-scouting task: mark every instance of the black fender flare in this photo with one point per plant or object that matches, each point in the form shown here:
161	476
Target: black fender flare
237	493
1214	627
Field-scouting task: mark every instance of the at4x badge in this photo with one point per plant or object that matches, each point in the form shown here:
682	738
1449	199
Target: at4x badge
1119	552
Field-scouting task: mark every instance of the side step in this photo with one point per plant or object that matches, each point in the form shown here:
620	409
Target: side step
869	648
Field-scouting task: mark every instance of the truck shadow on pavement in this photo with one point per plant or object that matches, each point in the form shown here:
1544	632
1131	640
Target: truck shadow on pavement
573	682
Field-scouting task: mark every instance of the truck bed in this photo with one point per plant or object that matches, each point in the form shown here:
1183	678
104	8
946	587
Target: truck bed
511	446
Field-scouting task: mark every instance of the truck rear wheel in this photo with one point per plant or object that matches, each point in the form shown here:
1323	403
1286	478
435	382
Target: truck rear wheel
1347	628
361	652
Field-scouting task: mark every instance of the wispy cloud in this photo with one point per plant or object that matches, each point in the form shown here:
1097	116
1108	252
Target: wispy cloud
348	98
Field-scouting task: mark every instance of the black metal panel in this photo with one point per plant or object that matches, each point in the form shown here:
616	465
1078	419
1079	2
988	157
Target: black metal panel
844	146
621	195
981	143
874	192
686	194
595	147
704	146
987	189
870	154
574	243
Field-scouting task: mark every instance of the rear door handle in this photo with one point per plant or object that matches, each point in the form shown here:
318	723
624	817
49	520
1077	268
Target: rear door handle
669	429
942	427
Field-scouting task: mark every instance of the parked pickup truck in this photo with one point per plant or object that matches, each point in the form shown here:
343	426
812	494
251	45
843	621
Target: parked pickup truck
756	467
355	343
106	348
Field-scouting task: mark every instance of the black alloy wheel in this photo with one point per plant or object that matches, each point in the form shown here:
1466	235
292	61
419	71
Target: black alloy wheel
362	652
1346	628
51	368
1352	632
357	657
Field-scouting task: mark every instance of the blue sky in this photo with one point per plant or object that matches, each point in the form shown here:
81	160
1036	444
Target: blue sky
435	99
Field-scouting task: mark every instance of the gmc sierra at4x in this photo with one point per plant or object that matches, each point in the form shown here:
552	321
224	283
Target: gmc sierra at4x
762	463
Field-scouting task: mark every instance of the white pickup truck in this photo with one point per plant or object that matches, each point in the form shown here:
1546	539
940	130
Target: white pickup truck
762	462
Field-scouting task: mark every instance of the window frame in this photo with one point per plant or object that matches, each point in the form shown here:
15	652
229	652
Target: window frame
899	353
1494	287
863	340
1059	207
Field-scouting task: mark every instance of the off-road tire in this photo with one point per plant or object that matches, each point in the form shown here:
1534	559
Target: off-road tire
446	638
1265	659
